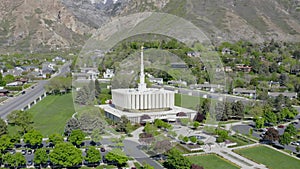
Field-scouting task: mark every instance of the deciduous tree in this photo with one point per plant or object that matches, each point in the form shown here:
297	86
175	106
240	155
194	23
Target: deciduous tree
66	155
176	160
5	143
76	137
34	138
93	155
3	127
56	138
23	119
285	138
40	156
271	135
117	155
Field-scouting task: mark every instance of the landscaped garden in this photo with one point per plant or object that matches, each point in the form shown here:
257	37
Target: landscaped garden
212	161
269	157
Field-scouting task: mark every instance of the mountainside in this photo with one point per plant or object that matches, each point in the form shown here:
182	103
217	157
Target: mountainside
38	25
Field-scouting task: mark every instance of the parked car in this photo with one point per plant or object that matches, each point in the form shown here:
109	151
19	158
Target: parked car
281	126
102	149
23	152
29	163
295	143
29	152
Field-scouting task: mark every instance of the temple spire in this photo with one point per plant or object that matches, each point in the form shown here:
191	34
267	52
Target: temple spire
142	85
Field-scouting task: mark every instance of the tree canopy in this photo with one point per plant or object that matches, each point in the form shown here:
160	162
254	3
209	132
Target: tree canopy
76	137
93	155
33	138
66	155
176	160
40	156
117	155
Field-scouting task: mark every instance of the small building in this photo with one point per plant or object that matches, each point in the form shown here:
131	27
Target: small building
243	68
158	81
193	54
16	83
59	59
228	69
4	92
178	65
109	73
273	84
177	82
291	95
244	92
208	87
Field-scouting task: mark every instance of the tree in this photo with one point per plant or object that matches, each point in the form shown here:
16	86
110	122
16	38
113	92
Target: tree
14	160
76	137
33	138
176	160
193	139
150	129
23	119
118	156
259	122
95	136
298	148
238	109
97	88
270	117
185	139
5	143
56	138
3	127
9	78
93	155
291	129
72	124
196	124
271	135
285	138
122	124
40	156
66	155
147	166
162	146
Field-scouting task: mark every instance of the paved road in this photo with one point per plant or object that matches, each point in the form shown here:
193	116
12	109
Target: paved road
19	102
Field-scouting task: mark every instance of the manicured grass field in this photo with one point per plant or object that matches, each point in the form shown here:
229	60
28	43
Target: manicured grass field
212	161
186	101
269	157
51	114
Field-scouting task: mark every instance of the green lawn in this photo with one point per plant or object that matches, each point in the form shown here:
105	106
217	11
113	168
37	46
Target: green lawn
212	161
269	157
51	114
187	101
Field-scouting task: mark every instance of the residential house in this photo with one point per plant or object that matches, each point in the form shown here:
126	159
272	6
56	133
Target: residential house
208	87
178	65
228	69
47	68
193	54
16	83
244	92
177	82
273	84
4	92
109	73
291	95
158	81
243	68
59	59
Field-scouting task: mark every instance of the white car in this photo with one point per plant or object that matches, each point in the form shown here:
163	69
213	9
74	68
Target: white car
295	143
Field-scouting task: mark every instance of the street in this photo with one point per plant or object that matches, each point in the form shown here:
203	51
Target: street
19	102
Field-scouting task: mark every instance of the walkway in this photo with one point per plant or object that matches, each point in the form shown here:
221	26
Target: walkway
228	154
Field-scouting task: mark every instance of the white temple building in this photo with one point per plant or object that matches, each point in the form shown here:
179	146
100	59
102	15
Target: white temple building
137	102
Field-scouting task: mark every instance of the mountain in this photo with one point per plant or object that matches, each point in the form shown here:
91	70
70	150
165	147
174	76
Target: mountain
41	25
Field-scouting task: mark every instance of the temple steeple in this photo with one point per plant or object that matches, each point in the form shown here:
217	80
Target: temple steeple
142	84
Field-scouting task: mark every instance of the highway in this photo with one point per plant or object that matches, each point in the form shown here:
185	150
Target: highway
19	102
